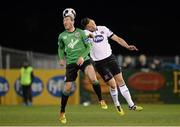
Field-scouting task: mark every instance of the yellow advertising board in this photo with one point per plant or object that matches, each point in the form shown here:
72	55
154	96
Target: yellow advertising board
47	87
176	82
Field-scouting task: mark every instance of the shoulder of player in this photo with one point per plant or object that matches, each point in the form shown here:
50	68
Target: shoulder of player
87	32
79	29
101	27
62	34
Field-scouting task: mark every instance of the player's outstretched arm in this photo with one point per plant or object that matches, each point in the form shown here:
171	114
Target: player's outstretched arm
123	43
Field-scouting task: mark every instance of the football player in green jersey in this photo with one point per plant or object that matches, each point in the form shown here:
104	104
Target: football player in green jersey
75	48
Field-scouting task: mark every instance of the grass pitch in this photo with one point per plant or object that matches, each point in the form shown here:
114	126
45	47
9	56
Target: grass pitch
93	115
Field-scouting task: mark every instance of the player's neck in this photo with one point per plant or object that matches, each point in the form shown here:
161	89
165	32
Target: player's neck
71	29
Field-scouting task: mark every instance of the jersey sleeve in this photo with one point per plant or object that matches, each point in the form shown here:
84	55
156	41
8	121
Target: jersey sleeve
87	43
87	32
109	33
61	48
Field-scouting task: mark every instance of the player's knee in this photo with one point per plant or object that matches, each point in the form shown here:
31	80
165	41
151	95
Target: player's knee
66	92
119	79
113	86
120	82
112	83
67	89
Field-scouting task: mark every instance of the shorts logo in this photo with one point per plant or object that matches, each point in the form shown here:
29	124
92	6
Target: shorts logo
37	87
106	77
4	86
98	38
56	84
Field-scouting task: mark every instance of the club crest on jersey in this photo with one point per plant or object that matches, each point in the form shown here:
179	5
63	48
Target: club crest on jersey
77	34
98	38
102	32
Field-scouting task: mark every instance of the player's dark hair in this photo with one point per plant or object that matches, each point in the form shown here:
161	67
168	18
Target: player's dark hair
85	21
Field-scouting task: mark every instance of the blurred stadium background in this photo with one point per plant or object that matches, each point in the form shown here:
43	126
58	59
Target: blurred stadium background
155	86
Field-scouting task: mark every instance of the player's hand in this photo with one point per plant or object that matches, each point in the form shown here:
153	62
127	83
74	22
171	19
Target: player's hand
91	35
132	48
80	61
62	62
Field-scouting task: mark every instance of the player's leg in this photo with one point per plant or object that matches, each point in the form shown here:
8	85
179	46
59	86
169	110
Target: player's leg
115	70
71	74
125	92
88	69
123	88
90	72
114	95
64	99
103	69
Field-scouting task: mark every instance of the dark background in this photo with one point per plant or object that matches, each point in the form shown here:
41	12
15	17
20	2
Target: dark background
35	25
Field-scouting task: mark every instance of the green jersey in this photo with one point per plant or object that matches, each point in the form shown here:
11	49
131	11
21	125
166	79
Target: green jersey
73	45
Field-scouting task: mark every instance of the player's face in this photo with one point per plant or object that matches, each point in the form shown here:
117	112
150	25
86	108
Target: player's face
68	23
91	26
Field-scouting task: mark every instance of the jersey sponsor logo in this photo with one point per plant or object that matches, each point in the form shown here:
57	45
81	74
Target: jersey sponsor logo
73	43
4	86
37	87
56	84
98	38
144	81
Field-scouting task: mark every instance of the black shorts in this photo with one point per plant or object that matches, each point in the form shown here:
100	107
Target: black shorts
108	67
72	70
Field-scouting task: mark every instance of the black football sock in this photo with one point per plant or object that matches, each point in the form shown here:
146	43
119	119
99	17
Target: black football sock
97	89
64	100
